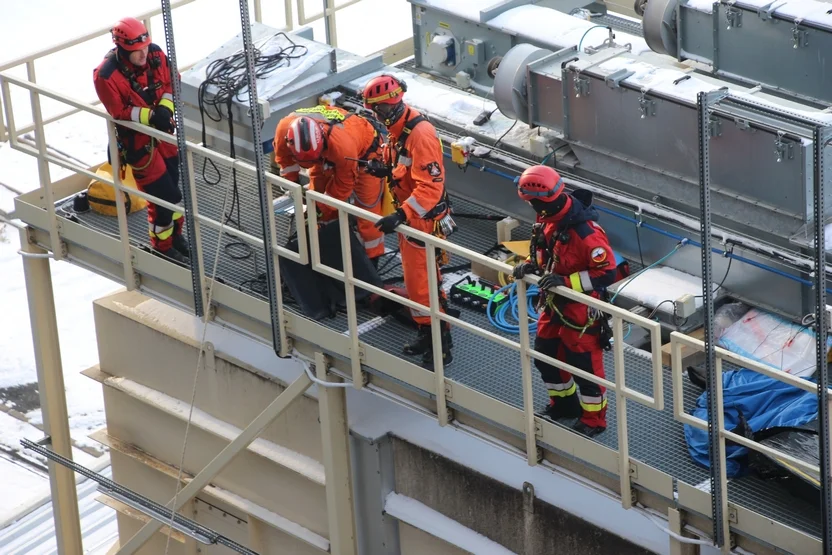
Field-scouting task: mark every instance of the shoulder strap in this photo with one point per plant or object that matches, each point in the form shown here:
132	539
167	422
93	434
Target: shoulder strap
147	93
408	129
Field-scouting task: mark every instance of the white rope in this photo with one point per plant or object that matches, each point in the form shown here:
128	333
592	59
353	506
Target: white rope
198	366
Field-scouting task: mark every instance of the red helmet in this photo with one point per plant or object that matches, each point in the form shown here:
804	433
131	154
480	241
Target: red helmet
130	34
305	139
384	89
540	183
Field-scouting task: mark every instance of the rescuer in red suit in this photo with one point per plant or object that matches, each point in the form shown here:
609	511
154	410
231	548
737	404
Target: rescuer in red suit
570	249
133	84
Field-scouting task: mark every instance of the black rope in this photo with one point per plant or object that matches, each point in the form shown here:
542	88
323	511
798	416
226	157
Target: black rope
227	77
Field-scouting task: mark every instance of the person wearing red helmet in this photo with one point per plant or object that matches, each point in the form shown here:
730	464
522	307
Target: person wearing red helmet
415	172
569	249
328	141
134	84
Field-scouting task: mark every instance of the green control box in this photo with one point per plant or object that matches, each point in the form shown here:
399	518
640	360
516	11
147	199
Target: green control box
475	294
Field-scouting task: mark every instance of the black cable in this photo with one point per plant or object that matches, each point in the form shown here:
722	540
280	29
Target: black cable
504	134
228	77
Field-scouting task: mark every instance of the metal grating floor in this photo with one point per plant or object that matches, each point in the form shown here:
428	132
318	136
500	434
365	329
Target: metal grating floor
655	437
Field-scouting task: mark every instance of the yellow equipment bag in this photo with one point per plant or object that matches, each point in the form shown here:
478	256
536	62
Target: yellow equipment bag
102	196
387	204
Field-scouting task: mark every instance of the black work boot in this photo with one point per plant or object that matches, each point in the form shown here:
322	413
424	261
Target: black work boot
180	244
447	343
174	255
563	407
585	429
421	344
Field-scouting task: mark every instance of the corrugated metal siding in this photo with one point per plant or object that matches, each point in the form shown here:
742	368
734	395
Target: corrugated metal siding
34	534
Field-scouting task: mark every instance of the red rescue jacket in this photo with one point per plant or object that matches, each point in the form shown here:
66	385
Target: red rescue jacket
577	249
129	92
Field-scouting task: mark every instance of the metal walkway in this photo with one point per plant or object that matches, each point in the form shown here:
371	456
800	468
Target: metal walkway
656	438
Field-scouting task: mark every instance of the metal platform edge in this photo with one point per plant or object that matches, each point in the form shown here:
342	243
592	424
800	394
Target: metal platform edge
171	284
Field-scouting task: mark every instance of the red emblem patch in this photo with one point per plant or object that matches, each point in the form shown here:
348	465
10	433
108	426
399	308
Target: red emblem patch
598	255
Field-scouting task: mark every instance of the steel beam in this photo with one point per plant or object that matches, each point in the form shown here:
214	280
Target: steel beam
266	209
184	166
718	496
222	459
52	394
332	402
821	137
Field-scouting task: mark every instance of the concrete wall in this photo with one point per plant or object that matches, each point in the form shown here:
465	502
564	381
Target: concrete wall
153	353
496	510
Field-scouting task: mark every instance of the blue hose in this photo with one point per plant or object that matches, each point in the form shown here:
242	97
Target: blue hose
506	317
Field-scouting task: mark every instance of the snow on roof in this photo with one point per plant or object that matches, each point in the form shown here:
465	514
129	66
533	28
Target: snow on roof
34	534
656	285
436	524
558	29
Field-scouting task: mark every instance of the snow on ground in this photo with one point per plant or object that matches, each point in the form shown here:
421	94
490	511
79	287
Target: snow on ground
74	289
20	486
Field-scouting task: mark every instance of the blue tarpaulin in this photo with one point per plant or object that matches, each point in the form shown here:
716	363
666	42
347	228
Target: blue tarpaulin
764	402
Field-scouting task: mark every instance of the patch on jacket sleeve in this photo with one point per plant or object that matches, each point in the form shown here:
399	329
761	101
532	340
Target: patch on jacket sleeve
598	254
433	169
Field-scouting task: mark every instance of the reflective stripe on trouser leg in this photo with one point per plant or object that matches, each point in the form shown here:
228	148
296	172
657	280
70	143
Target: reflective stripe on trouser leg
415	269
558	383
561	389
591	395
372	238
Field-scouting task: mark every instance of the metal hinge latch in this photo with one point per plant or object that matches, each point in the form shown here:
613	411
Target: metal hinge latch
734	17
581	86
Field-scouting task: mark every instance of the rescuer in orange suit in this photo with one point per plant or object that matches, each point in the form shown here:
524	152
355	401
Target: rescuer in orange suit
133	84
416	174
329	141
569	249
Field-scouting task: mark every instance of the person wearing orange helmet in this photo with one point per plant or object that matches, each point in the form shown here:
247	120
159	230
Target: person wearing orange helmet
329	141
134	84
569	249
416	175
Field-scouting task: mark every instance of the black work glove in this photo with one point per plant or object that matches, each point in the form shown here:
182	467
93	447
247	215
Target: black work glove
522	269
162	119
377	168
550	280
388	223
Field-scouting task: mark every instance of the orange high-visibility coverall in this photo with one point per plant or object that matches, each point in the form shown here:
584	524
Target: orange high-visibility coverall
418	186
342	179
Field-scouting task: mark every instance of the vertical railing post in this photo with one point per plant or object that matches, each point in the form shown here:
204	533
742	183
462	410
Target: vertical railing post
184	170
532	451
287	13
718	494
329	22
258	11
349	291
436	334
43	166
9	111
821	137
2	120
121	211
621	413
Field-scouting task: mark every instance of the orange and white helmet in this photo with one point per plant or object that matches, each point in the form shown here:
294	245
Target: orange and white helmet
305	139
